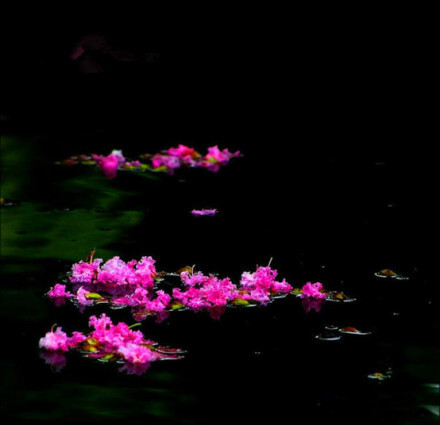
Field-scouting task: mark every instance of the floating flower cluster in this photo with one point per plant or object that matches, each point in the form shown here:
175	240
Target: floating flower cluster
166	161
136	284
107	342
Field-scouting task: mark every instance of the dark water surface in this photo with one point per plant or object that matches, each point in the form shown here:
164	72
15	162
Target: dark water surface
326	188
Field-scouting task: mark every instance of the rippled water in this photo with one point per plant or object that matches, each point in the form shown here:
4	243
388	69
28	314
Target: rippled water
323	213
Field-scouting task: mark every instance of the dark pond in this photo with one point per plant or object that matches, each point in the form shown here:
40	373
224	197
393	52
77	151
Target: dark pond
335	184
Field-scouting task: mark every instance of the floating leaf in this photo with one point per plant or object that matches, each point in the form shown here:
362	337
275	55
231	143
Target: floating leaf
379	376
187	269
328	336
353	331
331	327
177	306
167	350
93	296
339	297
386	273
240	301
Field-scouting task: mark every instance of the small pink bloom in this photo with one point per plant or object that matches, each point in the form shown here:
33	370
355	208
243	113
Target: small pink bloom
282	287
134	353
313	290
204	212
85	272
59	291
184	153
76	339
215	158
54	341
109	165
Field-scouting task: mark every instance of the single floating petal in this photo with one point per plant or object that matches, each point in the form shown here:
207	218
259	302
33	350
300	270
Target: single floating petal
204	211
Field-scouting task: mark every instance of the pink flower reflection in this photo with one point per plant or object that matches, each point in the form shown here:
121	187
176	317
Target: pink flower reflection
56	359
309	304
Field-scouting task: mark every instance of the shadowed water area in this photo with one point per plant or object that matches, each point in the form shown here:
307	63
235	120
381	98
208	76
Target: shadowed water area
320	188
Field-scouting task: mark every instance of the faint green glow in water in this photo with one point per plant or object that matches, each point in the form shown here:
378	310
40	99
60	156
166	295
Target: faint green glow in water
40	227
66	235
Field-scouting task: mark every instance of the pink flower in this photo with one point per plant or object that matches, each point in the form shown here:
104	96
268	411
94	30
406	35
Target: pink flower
101	324
205	291
282	287
313	290
76	339
215	158
160	303
186	154
169	162
204	212
54	341
85	272
145	272
134	353
261	284
109	165
59	291
81	296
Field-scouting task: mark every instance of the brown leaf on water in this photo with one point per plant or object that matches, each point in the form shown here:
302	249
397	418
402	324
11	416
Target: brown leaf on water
188	269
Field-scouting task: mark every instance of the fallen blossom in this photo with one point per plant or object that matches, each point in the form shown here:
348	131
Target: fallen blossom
313	290
106	342
204	212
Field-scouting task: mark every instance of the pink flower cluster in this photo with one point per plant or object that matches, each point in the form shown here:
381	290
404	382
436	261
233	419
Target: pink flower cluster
188	157
107	342
260	285
110	164
313	290
59	341
167	161
115	272
134	284
205	292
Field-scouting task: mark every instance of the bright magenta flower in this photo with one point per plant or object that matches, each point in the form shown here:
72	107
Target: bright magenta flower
215	158
109	165
85	272
134	353
59	291
313	290
54	341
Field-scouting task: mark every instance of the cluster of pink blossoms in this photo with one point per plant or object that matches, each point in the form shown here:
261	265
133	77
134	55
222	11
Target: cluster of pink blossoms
108	342
184	156
135	284
166	161
313	290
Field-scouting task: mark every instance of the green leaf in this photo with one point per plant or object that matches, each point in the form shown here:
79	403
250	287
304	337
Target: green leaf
93	296
240	301
134	324
177	306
